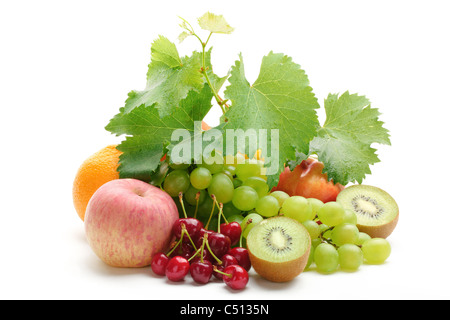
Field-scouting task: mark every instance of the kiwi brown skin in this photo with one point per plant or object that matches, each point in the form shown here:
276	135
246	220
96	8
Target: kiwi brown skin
280	271
382	231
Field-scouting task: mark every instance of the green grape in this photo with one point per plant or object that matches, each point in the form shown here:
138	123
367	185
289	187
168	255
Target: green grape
310	258
362	237
200	178
315	242
179	166
176	181
230	210
267	206
316	204
331	213
191	194
297	208
350	257
231	169
326	258
245	198
237	183
376	250
250	168
313	228
350	217
221	187
281	196
229	175
247	226
345	233
213	163
259	184
236	218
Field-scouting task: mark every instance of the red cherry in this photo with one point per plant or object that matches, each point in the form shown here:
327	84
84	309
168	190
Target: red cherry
193	227
219	243
159	263
198	242
177	268
235	277
233	230
242	257
227	260
200	271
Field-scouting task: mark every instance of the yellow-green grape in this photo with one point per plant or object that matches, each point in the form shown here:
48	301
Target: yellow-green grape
313	228
281	196
331	213
267	206
297	208
326	258
350	257
345	233
376	250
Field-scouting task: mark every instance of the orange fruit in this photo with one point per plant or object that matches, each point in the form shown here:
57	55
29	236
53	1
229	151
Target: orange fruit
94	172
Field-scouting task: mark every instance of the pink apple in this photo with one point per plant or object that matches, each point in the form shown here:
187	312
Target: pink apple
128	221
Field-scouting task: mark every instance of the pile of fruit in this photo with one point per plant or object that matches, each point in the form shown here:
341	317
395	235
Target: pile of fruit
221	215
331	232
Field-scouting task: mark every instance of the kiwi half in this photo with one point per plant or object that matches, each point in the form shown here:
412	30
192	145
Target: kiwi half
279	248
376	210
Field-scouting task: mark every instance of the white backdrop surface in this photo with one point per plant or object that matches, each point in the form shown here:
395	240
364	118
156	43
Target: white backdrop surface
66	68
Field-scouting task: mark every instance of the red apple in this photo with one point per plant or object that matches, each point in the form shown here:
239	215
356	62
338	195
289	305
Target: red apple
308	180
128	221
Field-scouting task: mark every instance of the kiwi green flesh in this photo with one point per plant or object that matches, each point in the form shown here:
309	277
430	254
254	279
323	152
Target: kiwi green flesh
373	206
278	239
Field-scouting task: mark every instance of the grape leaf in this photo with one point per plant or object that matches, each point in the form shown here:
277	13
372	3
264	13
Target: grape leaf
344	142
281	99
149	135
169	79
214	23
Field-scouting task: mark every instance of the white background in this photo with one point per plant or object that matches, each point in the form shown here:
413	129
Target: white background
66	68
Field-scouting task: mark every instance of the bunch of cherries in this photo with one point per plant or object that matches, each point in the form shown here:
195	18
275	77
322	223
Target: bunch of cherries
204	253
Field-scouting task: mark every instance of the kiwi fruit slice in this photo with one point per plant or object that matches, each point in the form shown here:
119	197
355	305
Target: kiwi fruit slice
376	211
279	248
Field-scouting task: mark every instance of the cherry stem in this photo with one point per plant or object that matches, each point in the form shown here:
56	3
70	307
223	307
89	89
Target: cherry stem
212	211
205	240
242	232
220	214
212	253
223	273
220	207
197	199
180	196
178	242
195	254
